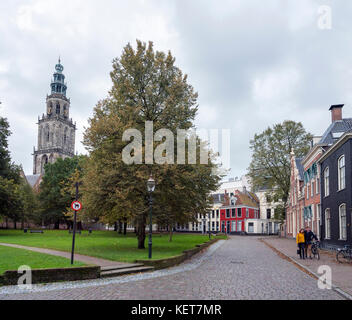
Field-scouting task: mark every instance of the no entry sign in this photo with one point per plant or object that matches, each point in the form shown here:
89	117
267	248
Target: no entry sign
76	205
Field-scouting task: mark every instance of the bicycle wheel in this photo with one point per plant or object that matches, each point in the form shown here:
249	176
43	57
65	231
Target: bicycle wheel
315	252
342	257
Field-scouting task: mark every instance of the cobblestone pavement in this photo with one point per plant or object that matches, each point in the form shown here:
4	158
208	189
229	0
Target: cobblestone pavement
239	268
341	273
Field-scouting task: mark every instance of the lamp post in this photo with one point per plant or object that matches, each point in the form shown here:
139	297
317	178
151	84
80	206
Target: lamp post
150	188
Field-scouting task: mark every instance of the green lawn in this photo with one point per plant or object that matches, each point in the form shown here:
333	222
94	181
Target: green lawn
13	258
105	244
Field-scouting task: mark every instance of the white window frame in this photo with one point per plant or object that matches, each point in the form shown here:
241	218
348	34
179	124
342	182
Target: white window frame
327	224
326	182
307	186
342	222
341	169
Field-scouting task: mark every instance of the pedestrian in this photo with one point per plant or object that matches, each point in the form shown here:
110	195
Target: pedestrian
300	242
308	237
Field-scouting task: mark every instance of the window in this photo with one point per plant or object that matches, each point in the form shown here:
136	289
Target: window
239	225
227	213
327	224
233	213
57	109
317	186
341	172
307	187
233	227
326	182
312	189
239	213
217	225
217	213
268	213
212	214
213	226
251	227
343	222
247	213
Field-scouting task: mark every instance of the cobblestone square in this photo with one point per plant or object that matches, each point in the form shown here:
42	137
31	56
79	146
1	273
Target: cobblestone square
240	268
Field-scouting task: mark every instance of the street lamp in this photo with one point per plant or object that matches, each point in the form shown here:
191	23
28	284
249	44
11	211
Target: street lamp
150	188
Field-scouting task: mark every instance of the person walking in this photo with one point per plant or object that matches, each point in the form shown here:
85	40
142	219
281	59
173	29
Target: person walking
301	243
308	237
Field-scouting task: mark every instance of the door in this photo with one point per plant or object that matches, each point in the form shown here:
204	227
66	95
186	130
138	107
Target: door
223	226
228	226
250	227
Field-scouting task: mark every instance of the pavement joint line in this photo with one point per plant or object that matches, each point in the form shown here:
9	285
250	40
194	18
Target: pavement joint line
307	270
185	266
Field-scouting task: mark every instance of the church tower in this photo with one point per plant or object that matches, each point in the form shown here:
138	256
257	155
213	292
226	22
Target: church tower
56	132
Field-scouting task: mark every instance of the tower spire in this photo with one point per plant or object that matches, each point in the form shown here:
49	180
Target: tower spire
58	84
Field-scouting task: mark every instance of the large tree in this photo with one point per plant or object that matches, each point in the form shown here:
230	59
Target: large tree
11	203
147	86
270	165
54	195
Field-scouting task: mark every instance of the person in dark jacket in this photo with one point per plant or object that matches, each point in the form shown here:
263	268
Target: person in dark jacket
308	239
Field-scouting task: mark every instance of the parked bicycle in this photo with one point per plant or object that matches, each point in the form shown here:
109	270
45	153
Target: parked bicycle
344	255
315	249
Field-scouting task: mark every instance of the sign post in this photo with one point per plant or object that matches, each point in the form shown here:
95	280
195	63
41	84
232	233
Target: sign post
76	206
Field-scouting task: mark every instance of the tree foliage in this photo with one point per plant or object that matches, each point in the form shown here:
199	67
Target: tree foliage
270	165
147	86
13	193
55	195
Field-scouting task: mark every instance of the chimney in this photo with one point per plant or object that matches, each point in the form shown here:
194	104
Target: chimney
336	112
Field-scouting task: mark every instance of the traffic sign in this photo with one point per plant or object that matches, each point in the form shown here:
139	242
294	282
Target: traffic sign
76	205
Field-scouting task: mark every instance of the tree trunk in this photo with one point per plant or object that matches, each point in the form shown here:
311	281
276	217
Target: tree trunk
115	226
171	233
141	232
15	224
124	228
7	223
120	226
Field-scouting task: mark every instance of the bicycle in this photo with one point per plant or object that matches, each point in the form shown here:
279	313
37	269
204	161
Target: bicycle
315	249
344	255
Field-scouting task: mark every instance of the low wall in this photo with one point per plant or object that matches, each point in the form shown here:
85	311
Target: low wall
11	277
173	261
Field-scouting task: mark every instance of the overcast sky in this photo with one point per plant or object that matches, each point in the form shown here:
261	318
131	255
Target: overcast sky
253	63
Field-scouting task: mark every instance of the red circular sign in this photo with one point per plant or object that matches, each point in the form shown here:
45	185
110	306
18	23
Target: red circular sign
76	205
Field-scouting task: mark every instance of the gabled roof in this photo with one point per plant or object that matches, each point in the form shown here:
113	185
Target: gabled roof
331	135
32	179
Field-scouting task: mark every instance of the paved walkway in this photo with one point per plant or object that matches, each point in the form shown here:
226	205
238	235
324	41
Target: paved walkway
78	257
239	268
341	273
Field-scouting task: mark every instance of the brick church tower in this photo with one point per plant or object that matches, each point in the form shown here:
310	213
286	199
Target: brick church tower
56	132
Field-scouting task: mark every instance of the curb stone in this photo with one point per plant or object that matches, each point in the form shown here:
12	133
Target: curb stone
307	270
